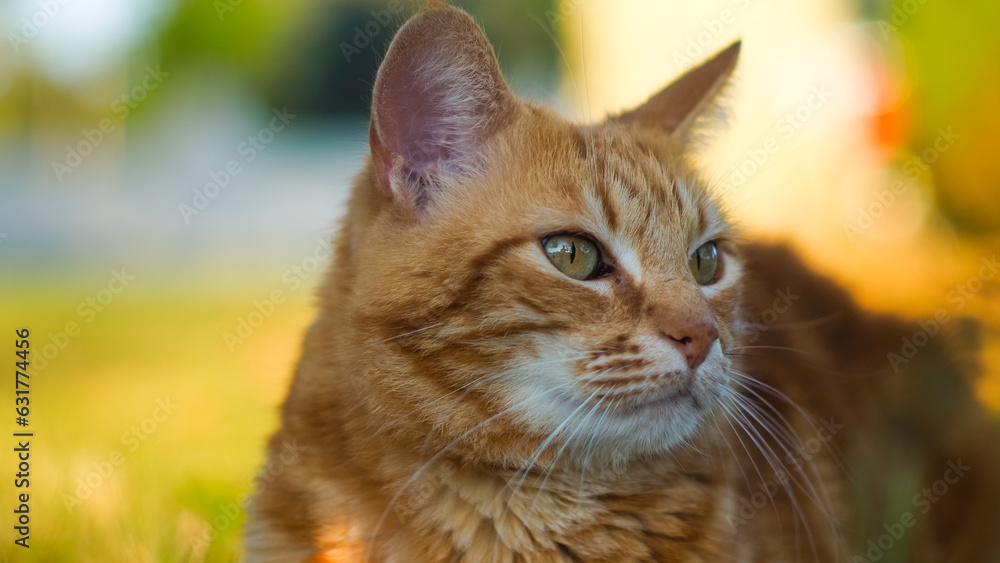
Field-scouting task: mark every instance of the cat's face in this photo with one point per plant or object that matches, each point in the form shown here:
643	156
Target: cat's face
523	284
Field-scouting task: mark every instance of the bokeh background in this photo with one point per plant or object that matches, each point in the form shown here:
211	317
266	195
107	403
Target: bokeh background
171	171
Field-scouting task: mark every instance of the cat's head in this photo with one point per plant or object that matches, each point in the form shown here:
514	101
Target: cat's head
516	282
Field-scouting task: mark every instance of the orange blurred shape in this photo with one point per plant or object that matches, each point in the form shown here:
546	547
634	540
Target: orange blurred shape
891	124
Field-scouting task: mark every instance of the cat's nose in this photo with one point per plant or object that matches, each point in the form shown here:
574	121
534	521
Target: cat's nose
693	338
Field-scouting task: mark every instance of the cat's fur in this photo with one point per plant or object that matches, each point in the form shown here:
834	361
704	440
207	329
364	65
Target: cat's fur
460	399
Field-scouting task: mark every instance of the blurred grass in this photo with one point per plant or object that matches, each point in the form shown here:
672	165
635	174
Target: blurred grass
149	344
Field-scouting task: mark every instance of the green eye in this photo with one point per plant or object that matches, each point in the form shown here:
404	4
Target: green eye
705	263
575	256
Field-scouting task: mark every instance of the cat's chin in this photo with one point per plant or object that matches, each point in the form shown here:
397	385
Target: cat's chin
656	424
653	403
649	425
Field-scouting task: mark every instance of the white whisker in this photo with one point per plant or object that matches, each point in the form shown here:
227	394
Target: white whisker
541	449
466	434
404	334
569	439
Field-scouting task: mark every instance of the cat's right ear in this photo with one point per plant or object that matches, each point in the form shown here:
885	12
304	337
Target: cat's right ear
439	95
677	107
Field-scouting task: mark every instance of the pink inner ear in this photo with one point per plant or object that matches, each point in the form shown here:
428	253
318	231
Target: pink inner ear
414	134
437	97
426	146
428	124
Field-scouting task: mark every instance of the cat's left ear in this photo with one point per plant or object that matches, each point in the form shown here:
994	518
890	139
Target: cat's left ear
676	108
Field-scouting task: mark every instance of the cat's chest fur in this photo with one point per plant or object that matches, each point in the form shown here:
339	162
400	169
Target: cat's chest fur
658	512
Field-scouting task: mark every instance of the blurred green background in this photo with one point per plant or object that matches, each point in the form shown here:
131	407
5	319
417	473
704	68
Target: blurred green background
202	151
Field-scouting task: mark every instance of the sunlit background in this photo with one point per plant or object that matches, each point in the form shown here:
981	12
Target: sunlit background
171	171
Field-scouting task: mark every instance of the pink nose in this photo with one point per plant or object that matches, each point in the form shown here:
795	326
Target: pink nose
693	339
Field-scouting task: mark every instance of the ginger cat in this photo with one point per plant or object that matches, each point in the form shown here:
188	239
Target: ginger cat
542	341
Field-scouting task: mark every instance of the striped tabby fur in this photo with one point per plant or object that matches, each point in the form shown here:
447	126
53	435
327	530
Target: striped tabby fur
460	399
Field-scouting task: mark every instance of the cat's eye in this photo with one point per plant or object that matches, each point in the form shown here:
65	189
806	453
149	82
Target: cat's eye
576	256
705	263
